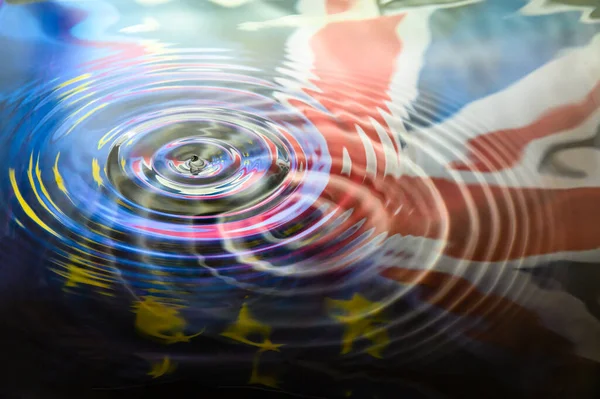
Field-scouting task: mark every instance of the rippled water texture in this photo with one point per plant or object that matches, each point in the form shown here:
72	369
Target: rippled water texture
242	192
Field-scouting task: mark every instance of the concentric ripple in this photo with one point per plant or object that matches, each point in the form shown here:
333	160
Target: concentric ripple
192	177
186	176
203	163
182	174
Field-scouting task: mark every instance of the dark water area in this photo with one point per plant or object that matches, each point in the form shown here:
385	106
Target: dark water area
304	198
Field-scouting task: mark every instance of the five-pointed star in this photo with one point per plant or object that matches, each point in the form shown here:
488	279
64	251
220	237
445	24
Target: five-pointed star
362	320
246	325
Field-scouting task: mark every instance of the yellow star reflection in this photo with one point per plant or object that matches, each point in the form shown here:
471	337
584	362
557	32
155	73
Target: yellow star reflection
161	321
244	326
362	319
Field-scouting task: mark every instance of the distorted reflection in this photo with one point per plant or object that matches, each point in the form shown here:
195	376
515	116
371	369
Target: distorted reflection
320	198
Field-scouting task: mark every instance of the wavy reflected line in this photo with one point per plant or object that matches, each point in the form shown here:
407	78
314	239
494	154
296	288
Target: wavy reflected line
458	296
26	207
499	150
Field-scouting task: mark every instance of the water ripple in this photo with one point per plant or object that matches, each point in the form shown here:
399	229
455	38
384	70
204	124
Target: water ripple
186	175
192	179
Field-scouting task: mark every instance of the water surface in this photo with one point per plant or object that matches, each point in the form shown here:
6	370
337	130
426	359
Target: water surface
321	197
